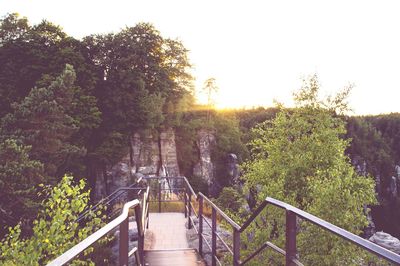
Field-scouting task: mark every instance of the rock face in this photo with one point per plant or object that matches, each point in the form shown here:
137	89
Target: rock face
205	168
387	241
156	155
119	175
233	168
145	154
149	155
370	230
168	152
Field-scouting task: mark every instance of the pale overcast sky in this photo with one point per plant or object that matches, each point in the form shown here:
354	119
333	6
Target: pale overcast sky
259	50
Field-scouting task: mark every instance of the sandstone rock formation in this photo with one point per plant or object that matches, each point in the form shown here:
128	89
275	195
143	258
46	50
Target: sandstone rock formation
205	168
387	241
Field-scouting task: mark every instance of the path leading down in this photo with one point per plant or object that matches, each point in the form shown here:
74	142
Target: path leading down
168	230
169	245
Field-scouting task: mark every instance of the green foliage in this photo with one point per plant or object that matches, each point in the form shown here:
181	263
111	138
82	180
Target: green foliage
42	121
230	200
299	158
225	128
368	145
228	140
55	230
19	176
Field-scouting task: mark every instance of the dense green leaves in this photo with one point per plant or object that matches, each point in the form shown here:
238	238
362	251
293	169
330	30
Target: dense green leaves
19	177
55	230
299	158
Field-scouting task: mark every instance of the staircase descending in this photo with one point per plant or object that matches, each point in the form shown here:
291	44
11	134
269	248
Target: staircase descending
162	235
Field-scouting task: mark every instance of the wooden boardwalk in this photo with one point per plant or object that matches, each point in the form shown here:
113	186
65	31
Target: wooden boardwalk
180	257
168	244
168	230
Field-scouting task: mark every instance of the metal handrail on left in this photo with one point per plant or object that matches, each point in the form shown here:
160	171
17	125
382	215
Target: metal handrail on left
141	215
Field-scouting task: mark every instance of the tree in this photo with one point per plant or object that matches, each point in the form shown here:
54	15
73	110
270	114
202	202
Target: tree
19	177
42	121
144	85
210	88
299	158
55	229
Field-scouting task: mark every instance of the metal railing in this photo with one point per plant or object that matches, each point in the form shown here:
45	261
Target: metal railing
189	198
142	220
110	199
292	214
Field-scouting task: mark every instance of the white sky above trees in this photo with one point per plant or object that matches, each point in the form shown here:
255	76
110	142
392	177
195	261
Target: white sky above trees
258	51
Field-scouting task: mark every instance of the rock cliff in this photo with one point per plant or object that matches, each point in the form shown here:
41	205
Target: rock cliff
153	155
205	167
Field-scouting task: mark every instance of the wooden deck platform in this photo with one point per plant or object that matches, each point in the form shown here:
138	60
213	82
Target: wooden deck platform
168	230
180	257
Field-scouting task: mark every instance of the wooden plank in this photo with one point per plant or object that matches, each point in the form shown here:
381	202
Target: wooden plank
183	257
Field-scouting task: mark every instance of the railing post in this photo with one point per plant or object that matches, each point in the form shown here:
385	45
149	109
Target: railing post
189	210
185	198
213	237
201	225
123	242
236	247
159	195
291	249
140	228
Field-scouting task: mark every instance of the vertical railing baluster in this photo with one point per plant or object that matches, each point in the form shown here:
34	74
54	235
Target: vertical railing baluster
236	247
213	237
291	249
185	198
140	228
189	210
201	225
123	242
159	195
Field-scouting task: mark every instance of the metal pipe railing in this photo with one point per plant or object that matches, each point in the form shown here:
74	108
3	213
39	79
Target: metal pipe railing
110	198
122	221
292	214
290	252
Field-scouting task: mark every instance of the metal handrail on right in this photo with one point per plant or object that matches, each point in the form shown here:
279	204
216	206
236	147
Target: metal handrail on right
292	214
290	252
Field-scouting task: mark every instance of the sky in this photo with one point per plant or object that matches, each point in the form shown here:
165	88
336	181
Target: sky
258	51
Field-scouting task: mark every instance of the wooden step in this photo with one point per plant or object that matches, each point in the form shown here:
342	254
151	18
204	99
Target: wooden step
175	257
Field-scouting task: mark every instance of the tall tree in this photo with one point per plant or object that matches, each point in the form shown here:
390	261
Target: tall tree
42	121
299	157
19	177
144	84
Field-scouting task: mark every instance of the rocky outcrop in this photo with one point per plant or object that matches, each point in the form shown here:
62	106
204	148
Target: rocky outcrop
121	174
233	168
205	168
145	154
387	241
149	155
168	152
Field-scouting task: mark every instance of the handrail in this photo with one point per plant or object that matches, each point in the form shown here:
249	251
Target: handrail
292	214
368	245
291	230
87	242
226	217
190	187
253	216
107	198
